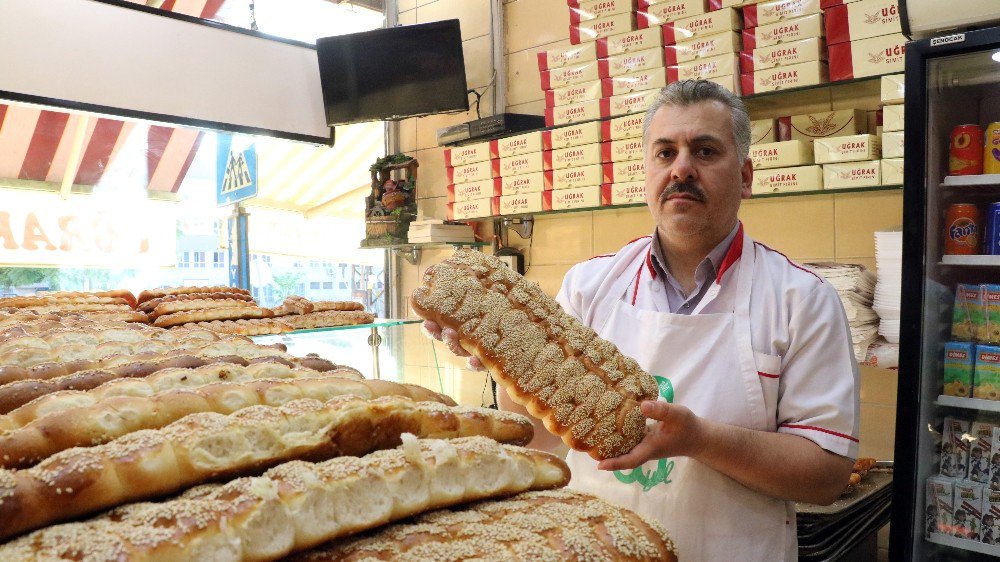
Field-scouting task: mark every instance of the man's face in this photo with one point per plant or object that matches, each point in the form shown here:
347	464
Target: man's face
694	177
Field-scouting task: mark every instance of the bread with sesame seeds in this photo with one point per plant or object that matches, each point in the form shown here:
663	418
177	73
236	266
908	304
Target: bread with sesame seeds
298	505
582	388
150	294
110	417
549	526
209	446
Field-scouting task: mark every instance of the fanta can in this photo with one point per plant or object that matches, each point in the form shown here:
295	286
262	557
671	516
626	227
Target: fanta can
961	229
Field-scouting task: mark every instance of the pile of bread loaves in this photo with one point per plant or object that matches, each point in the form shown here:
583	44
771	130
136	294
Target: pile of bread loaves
121	440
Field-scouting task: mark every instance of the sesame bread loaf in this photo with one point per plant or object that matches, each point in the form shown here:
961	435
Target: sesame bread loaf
151	304
579	385
151	294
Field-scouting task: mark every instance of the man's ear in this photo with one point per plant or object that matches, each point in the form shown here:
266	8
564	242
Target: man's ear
746	179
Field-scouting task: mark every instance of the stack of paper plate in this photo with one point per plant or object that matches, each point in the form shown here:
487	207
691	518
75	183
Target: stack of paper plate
889	266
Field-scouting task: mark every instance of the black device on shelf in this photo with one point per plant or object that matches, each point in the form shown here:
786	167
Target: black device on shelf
489	128
393	73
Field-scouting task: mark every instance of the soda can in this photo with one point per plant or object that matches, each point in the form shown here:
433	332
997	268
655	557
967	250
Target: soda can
961	229
991	150
966	151
991	235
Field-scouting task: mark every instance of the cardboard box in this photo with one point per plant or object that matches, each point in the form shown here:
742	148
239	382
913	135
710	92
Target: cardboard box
629	42
940	501
861	20
703	47
783	54
781	180
517	165
968	513
784	77
627	103
519	204
474	209
892	173
653	79
525	183
852	148
731	82
620	128
990	531
571	157
624	193
626	63
703	69
468	173
572	135
831	3
867	57
468	154
602	27
577	93
839	123
778	10
593	9
892	144
893	88
572	113
892	117
843	175
783	154
576	198
622	150
702	25
569	56
980	452
621	172
573	177
664	12
516	145
569	75
954	448
783	32
473	190
763	131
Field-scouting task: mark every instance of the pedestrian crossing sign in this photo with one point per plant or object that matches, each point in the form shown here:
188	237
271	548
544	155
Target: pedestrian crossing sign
237	172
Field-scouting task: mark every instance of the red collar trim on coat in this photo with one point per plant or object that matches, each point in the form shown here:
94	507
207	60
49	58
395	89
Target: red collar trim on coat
733	254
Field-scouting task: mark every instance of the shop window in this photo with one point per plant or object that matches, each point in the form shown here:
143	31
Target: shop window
218	259
199	259
185	260
328	285
314	285
343	285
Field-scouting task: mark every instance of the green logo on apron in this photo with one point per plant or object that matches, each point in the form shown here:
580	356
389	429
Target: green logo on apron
663	466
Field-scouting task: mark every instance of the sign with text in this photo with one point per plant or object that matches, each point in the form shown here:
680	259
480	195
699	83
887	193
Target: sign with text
236	171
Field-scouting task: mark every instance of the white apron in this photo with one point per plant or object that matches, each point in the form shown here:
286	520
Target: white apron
705	362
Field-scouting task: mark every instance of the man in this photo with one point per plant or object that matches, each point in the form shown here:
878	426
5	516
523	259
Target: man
759	399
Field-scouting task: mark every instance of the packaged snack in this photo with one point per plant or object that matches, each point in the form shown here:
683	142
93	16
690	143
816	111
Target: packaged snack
990	529
980	452
968	318
937	514
995	460
958	367
986	382
991	298
954	449
968	513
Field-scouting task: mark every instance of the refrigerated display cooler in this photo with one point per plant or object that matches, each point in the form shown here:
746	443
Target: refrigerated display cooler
946	492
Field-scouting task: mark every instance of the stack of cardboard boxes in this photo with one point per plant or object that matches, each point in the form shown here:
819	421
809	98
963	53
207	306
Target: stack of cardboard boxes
864	37
591	20
783	46
704	46
892	129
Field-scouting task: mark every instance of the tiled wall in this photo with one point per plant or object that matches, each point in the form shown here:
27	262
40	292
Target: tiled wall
821	227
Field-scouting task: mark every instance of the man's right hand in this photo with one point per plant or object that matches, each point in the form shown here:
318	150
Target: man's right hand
450	339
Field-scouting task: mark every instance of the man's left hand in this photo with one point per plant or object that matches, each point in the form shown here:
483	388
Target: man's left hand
677	432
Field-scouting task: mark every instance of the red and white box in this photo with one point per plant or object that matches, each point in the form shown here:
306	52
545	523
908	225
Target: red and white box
629	42
576	198
782	180
852	148
602	27
627	103
558	58
893	88
831	3
593	9
474	209
703	69
569	178
867	57
518	204
763	131
778	10
622	150
516	145
839	123
783	32
524	183
577	93
892	171
892	144
701	48
893	118
784	77
467	173
621	128
720	4
570	75
782	154
702	25
571	157
517	165
784	54
630	62
474	190
571	135
861	20
573	113
468	154
846	175
672	10
621	172
653	79
624	193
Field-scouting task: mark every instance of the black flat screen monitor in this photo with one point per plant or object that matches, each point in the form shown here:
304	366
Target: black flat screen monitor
393	73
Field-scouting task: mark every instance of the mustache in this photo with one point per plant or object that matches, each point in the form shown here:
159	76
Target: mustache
690	188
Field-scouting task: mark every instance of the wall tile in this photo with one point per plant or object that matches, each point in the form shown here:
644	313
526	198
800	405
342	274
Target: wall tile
433	208
432	180
795	226
796	103
536	107
408	135
408	17
859	95
878	386
878	431
405	5
562	239
523	83
530	23
615	228
473	15
548	277
859	215
478	61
